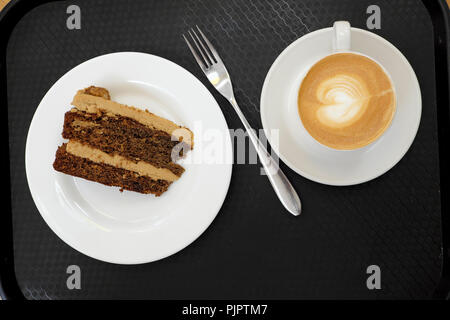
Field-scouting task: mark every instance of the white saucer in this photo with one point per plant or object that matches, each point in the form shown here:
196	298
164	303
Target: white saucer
128	227
299	150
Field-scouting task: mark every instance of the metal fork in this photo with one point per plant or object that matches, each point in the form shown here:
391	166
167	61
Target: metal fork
212	65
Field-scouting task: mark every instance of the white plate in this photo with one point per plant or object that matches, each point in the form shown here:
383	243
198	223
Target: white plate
131	228
299	150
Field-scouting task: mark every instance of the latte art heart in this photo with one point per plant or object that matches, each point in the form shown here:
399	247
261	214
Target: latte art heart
343	100
346	101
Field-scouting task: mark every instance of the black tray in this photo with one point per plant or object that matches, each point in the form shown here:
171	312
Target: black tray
253	249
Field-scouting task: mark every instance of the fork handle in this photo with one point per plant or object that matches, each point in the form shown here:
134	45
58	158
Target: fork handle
280	183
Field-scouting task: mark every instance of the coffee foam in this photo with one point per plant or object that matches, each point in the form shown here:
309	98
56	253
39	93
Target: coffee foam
346	101
342	100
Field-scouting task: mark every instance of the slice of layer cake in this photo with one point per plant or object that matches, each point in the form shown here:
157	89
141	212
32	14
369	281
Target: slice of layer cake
119	145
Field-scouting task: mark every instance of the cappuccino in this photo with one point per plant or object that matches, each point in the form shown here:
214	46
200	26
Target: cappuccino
346	101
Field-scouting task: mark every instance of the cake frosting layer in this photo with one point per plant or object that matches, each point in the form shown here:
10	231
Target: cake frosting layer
108	175
85	101
142	168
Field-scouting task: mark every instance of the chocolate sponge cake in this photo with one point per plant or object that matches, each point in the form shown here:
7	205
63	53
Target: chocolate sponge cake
119	145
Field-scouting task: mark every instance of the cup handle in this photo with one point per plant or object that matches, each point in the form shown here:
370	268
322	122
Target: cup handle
341	36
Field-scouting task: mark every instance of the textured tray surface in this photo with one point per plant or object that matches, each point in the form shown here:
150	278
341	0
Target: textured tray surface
253	249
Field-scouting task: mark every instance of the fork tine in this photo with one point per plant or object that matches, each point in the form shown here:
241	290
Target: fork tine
214	53
208	54
207	62
195	54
